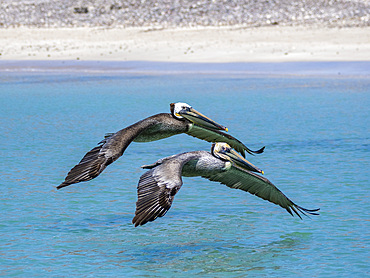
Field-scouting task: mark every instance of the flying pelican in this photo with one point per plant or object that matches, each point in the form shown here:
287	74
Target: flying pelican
182	119
158	186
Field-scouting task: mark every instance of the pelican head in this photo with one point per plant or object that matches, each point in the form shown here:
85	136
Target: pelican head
182	110
225	152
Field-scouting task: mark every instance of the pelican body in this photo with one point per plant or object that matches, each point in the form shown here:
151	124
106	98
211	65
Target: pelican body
158	186
182	119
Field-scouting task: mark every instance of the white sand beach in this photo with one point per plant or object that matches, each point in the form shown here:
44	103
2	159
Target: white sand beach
201	44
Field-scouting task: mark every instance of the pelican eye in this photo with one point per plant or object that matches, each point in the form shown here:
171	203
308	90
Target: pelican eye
222	149
225	148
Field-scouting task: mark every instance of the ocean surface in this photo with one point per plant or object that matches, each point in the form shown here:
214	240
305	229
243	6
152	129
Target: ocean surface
316	130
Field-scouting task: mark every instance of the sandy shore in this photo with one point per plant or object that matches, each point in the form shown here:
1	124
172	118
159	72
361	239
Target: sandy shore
203	44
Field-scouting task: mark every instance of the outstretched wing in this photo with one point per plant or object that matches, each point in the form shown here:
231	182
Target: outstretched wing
245	180
156	191
108	151
210	135
90	166
96	160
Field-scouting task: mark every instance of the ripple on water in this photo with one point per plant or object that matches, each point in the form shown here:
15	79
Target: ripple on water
319	157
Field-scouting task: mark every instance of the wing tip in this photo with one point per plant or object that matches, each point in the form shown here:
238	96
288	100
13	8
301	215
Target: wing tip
136	222
304	211
62	185
261	150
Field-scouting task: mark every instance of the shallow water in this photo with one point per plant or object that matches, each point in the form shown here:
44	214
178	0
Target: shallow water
316	133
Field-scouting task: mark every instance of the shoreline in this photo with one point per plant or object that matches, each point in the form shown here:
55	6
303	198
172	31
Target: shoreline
273	44
346	69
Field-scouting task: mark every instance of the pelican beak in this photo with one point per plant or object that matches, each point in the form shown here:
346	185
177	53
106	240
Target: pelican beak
240	161
198	118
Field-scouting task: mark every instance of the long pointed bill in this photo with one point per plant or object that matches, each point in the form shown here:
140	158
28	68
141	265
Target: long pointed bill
199	119
241	161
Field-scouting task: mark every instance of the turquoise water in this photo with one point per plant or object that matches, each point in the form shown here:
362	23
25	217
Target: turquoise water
316	133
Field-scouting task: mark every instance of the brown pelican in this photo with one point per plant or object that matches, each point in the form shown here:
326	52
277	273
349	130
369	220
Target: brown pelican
158	186
183	119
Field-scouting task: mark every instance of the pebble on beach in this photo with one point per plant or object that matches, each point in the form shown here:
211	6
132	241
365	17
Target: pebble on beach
182	13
